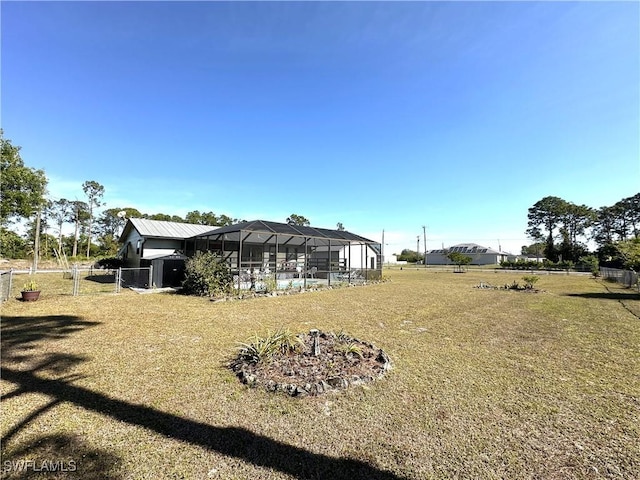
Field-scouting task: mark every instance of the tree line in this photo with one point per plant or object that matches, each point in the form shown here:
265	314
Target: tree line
24	198
561	230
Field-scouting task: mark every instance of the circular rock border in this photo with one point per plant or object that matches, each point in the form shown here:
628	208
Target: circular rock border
325	362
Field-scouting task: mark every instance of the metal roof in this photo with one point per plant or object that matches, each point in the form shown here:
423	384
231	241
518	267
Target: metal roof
162	229
264	226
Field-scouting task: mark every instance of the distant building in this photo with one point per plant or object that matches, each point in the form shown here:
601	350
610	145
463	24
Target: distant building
479	255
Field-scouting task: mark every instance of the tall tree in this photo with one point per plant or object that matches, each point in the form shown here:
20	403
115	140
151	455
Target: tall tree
61	212
79	215
295	219
340	227
94	192
544	217
22	188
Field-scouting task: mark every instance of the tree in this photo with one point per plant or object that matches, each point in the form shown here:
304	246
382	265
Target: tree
544	217
79	215
536	249
629	251
61	212
410	256
340	227
295	219
206	218
22	188
94	192
163	217
110	223
460	259
12	245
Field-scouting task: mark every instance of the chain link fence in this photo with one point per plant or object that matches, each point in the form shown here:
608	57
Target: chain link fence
628	278
73	282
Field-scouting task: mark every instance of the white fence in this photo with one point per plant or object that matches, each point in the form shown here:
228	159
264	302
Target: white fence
74	282
628	278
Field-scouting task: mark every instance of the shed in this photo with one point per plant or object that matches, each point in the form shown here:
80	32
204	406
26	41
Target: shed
167	270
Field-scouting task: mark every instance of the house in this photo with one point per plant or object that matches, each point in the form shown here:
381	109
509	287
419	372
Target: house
479	255
291	253
160	245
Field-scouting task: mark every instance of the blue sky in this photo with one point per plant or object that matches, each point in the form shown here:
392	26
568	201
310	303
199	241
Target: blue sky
380	115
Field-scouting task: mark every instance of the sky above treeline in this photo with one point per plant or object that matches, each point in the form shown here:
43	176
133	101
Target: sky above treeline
456	116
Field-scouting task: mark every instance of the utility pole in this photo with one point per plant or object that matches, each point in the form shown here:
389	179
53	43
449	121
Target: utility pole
424	232
36	240
418	245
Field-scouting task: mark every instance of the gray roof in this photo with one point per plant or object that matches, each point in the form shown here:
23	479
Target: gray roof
468	248
162	229
288	229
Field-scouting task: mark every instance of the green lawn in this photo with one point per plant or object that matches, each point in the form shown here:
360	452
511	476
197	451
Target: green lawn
486	384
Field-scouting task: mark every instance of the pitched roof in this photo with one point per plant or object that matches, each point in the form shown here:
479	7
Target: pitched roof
162	229
468	248
265	226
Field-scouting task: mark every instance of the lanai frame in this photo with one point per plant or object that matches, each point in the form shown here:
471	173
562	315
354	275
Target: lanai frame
263	248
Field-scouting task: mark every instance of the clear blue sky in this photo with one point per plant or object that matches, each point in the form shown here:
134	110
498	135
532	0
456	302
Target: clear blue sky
384	115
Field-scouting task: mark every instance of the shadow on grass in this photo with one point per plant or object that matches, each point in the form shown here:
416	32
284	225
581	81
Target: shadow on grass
104	278
62	457
607	295
19	333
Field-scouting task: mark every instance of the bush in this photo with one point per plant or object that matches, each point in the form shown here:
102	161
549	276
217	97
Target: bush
206	274
110	263
530	281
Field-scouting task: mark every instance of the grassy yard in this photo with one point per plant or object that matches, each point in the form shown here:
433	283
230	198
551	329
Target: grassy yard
486	384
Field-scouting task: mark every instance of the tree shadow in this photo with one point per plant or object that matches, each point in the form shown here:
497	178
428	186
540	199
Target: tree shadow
63	457
607	295
19	333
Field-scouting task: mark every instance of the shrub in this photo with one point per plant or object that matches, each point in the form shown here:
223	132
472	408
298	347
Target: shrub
206	274
530	281
109	263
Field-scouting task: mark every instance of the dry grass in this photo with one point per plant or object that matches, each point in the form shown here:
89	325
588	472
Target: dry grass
486	384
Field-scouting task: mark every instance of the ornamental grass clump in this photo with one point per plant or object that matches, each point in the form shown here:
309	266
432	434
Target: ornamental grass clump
261	349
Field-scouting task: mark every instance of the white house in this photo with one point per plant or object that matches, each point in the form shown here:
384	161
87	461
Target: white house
479	255
158	244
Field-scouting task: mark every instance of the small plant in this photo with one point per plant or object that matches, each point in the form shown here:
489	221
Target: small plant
261	349
343	337
270	284
514	286
351	349
30	286
530	281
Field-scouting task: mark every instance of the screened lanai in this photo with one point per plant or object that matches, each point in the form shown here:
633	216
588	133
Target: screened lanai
291	255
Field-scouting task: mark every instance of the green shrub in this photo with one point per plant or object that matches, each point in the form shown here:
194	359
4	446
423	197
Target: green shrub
206	274
530	281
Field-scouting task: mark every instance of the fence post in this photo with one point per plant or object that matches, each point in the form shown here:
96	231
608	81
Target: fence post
10	282
118	280
151	276
76	280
